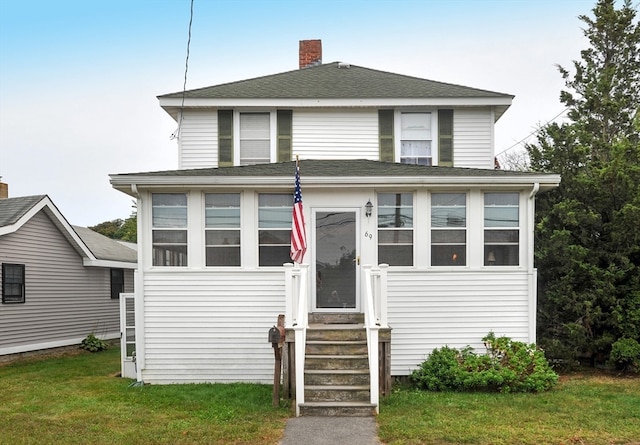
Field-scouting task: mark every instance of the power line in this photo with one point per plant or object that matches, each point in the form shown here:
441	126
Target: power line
176	134
533	132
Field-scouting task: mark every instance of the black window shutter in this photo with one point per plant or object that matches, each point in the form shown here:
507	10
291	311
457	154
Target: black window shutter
225	138
385	134
284	147
445	138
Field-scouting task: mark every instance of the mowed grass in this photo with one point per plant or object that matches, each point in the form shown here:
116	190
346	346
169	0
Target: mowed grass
583	409
79	399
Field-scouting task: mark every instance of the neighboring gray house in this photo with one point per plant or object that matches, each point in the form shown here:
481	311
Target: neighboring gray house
59	282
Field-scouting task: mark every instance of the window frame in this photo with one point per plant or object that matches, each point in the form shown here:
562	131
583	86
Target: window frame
495	255
233	227
117	286
22	283
382	230
450	228
168	229
260	228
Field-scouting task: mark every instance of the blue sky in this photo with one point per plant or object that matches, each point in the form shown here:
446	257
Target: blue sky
79	79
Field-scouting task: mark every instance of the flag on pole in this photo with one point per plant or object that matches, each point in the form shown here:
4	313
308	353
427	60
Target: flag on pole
298	234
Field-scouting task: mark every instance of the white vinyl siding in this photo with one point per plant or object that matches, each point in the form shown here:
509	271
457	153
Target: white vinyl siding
210	326
473	138
198	140
65	301
336	134
428	310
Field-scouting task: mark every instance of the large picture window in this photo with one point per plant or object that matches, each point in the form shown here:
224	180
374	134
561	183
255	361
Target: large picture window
448	229
222	229
501	229
169	222
395	229
274	229
13	285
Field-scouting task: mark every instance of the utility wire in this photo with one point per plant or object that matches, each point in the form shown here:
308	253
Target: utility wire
176	134
533	132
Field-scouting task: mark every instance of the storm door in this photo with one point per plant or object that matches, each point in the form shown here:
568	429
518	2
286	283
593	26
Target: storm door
336	260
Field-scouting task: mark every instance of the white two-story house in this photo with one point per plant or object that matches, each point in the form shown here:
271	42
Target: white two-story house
395	170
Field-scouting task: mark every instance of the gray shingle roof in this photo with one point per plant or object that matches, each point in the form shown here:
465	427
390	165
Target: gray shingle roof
105	248
337	168
12	209
329	81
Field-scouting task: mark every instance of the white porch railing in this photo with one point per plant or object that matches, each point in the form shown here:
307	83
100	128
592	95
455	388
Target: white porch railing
374	306
297	318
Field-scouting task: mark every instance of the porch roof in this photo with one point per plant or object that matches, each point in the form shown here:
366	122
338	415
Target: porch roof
338	173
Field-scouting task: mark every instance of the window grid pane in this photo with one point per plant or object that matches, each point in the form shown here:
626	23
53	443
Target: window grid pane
448	229
13	283
169	212
501	246
274	229
395	229
222	229
255	138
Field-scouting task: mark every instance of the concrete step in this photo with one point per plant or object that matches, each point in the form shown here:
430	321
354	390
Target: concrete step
336	332
356	377
358	361
338	409
336	393
336	318
329	347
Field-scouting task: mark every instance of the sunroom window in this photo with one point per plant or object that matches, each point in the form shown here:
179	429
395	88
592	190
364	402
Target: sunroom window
274	228
501	229
448	229
222	229
169	222
395	229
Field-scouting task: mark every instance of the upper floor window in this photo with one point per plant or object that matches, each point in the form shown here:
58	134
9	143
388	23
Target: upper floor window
13	284
255	138
222	229
274	229
117	283
501	229
415	138
395	229
169	223
246	138
448	229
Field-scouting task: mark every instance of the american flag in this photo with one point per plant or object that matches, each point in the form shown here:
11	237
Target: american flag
298	234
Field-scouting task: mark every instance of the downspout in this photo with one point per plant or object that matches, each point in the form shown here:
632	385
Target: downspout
139	295
532	271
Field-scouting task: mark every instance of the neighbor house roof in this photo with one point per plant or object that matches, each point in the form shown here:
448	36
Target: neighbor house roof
339	173
331	83
15	212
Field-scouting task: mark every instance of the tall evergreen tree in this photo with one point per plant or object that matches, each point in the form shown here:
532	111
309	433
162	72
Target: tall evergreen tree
588	229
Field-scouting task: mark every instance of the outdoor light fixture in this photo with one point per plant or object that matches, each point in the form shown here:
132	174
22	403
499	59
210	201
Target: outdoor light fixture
368	209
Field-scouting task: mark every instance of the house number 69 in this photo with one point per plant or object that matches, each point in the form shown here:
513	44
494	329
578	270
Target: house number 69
368	235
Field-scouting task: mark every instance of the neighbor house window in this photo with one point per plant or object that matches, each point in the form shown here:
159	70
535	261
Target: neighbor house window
13	283
274	229
117	283
255	138
169	222
395	229
501	229
415	138
448	229
222	229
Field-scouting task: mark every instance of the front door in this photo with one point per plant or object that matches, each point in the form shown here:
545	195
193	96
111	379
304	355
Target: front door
336	260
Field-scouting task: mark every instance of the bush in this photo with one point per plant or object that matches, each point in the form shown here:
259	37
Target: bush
93	344
625	355
508	366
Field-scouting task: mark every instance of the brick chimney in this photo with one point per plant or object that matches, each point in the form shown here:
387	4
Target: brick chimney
310	53
4	190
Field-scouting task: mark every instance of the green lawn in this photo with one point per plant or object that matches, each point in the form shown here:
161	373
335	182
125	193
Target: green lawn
78	399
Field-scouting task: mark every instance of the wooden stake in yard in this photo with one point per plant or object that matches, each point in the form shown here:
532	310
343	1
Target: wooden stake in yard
277	351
